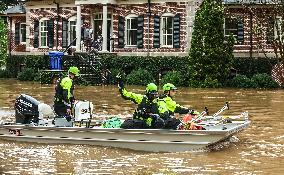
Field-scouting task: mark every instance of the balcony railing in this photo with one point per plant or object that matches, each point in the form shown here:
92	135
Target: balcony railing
253	2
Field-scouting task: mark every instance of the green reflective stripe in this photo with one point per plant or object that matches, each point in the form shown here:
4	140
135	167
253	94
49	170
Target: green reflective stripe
136	97
66	84
149	121
171	104
162	106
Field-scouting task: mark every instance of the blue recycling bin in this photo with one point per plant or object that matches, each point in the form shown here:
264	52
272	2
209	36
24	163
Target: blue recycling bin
55	60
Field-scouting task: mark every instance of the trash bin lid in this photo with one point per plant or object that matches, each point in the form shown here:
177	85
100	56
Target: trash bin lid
52	53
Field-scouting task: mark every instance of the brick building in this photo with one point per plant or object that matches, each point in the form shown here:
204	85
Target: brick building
124	27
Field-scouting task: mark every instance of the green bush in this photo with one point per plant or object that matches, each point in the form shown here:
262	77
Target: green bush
139	77
4	73
252	66
263	81
240	81
46	77
172	77
113	73
28	74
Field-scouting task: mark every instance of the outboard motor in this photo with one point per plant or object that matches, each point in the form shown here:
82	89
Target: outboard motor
26	108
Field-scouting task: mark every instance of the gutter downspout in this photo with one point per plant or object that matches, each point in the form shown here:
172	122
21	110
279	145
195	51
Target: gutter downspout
149	16
250	51
57	21
10	36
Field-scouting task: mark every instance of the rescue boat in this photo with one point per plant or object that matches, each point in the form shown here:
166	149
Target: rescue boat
35	122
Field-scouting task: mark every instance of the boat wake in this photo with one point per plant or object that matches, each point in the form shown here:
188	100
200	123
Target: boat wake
222	144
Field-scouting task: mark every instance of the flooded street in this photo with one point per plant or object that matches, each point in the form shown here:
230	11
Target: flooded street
256	150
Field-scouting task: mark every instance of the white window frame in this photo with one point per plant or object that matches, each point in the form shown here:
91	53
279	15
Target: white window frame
42	31
21	34
128	19
99	17
164	33
234	30
70	31
278	23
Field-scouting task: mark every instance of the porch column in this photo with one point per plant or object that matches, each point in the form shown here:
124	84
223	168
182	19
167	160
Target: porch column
28	24
78	29
104	28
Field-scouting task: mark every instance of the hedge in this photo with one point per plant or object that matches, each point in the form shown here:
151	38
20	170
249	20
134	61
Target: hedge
158	67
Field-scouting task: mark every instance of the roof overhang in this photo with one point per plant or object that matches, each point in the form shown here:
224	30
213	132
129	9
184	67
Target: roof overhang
77	2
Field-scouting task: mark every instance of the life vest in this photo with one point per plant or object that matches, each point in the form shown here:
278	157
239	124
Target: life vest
59	92
145	108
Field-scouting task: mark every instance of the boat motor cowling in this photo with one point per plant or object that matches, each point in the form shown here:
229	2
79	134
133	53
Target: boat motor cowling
29	110
26	108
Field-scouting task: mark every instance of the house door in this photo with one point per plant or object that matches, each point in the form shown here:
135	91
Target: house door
98	21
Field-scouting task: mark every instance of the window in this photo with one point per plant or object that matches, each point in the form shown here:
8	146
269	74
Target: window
231	27
72	30
278	30
22	32
131	30
43	32
167	30
235	27
274	29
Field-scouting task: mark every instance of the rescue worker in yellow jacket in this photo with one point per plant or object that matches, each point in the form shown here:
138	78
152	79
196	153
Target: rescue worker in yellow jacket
64	94
149	113
169	92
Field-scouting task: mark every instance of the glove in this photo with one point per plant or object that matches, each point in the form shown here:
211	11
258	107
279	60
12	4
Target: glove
192	112
68	118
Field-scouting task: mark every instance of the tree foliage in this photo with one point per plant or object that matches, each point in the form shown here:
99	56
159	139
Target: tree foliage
4	4
3	42
211	55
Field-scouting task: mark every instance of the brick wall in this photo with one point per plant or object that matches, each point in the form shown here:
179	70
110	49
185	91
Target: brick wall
21	47
157	9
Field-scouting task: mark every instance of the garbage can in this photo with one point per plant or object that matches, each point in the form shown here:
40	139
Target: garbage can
55	60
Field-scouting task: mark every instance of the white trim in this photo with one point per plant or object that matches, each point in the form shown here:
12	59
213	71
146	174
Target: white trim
69	31
21	35
166	16
129	17
40	32
278	24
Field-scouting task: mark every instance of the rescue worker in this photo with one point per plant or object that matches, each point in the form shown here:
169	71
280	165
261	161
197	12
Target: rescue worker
149	114
64	95
167	97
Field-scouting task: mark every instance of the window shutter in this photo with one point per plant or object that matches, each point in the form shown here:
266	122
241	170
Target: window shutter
121	22
156	43
17	33
64	33
176	31
240	30
270	30
36	34
82	33
140	30
50	30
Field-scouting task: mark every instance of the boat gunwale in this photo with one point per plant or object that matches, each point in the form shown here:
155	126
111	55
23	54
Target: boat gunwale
241	126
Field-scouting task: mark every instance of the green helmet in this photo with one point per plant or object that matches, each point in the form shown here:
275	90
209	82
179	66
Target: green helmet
169	86
151	88
74	70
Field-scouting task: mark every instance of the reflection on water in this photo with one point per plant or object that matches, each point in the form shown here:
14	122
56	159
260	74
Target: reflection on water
257	150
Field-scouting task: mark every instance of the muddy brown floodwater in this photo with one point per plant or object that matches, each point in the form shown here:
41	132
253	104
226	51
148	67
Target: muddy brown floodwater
256	150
